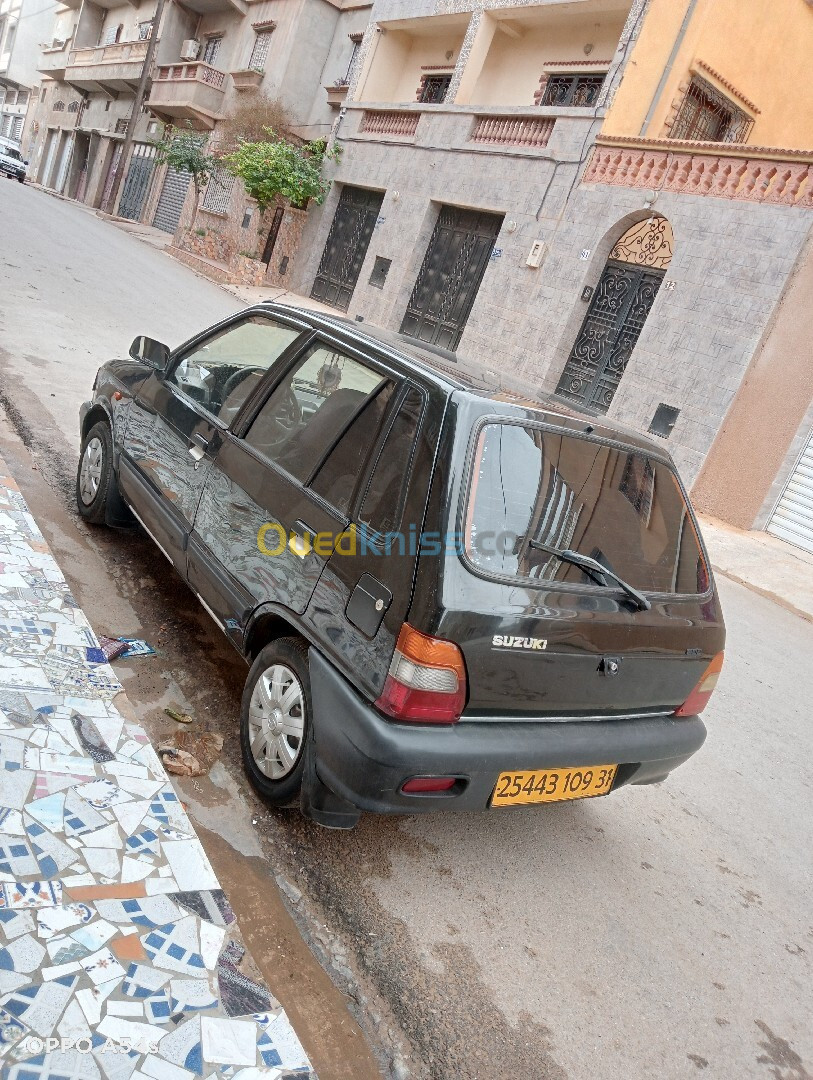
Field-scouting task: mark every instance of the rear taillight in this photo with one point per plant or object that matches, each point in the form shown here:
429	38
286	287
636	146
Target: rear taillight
426	681
699	698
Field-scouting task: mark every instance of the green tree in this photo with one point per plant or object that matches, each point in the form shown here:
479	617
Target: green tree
187	151
276	167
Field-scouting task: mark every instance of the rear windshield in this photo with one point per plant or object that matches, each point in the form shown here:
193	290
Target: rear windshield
618	506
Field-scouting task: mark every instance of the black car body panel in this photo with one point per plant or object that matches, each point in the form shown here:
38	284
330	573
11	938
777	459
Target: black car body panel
561	668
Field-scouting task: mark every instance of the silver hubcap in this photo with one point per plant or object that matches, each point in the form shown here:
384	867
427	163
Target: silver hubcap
276	721
90	471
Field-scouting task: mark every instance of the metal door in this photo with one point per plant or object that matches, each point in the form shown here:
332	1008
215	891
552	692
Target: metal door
64	160
447	283
171	200
608	335
346	246
137	182
792	520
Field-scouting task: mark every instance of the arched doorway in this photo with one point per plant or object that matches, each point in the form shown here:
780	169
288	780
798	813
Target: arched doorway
618	310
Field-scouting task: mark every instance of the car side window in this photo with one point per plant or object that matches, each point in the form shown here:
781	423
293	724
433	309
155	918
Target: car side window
309	409
338	475
221	373
383	502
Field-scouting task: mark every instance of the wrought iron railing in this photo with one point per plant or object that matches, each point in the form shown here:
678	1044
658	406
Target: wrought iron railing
197	72
379	122
513	130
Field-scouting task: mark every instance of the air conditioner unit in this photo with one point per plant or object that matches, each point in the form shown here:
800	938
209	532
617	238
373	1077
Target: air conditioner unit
190	50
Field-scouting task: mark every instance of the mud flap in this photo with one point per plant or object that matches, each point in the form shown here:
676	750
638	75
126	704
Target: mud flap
319	803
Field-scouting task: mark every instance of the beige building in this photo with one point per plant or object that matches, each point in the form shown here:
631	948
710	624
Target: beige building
607	198
23	25
208	54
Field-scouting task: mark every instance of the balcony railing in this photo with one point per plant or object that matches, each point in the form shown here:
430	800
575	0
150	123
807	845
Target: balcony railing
403	124
513	131
198	71
119	53
728	171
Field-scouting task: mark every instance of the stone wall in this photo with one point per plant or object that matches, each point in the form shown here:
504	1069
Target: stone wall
732	258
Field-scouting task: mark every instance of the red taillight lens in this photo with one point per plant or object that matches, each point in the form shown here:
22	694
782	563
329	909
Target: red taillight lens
426	681
699	698
429	783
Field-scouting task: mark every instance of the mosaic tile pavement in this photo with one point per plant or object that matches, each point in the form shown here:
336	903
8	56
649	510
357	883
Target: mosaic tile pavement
120	957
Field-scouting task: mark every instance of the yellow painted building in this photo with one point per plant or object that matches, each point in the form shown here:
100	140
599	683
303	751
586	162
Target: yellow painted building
754	53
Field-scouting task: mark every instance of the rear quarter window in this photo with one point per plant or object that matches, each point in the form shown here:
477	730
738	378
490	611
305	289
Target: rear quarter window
617	505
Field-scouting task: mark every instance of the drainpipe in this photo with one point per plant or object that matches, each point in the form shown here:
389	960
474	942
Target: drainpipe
667	71
141	93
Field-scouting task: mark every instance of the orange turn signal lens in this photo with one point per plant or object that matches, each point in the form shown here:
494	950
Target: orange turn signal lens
696	702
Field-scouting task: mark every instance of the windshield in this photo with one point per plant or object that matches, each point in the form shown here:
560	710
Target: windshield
615	505
9	151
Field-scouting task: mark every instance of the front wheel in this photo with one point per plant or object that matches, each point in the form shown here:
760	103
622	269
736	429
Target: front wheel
275	720
94	476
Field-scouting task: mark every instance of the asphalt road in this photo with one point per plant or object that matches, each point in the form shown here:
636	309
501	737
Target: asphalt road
660	934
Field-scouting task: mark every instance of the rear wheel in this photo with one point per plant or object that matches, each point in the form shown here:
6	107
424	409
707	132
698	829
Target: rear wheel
95	476
275	720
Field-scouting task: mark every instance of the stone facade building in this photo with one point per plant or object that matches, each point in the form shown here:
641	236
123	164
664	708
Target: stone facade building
208	54
607	198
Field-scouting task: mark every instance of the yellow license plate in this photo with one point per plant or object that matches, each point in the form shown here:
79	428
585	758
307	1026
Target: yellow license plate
553	785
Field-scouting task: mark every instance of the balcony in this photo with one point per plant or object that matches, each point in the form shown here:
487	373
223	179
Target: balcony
113	69
193	92
536	132
54	59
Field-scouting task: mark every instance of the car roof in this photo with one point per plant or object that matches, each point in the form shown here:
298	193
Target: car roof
465	374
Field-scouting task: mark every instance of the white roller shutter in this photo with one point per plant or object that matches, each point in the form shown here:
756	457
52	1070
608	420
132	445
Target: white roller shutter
792	520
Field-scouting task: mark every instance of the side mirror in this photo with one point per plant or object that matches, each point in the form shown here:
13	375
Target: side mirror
151	352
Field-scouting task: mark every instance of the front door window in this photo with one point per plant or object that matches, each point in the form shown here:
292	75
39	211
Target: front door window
220	374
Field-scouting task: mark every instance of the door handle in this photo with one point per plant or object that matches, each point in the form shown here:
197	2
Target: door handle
198	447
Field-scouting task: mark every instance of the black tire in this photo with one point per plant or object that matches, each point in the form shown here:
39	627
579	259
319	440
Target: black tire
92	490
271	733
21	179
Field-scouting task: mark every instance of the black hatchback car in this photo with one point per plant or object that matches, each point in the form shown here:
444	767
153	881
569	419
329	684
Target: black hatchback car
451	597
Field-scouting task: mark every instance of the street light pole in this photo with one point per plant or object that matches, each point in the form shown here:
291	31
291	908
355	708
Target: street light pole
141	93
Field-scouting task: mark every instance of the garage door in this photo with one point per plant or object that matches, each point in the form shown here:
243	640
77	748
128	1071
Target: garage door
170	204
792	520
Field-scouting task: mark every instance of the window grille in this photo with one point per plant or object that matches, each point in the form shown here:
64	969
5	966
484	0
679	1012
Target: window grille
218	192
352	62
111	35
572	91
73	107
434	89
145	30
706	115
211	49
16	128
259	54
59	106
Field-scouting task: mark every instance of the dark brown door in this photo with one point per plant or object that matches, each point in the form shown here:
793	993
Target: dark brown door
453	267
611	328
346	246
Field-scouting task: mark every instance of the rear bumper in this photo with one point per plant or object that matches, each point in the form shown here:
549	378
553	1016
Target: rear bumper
365	759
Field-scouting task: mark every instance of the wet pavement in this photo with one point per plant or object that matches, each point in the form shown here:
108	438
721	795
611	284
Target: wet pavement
120	953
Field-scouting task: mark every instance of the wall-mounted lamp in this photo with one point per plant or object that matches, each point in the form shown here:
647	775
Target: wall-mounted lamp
588	49
511	226
396	195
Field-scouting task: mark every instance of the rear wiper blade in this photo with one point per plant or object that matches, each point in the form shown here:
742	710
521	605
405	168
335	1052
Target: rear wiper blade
596	570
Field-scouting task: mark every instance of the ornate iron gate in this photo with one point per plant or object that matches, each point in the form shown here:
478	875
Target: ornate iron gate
447	283
346	247
171	200
137	182
608	335
617	313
